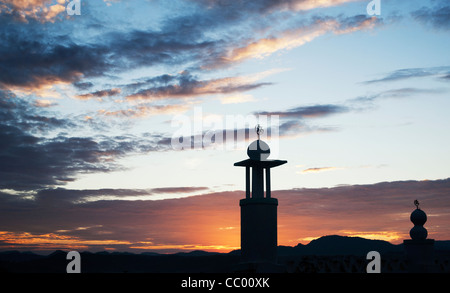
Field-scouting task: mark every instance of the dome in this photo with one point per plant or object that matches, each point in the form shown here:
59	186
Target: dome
258	150
418	233
418	217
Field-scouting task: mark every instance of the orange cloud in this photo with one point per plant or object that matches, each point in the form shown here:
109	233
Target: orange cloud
294	38
146	110
51	241
191	87
212	221
100	94
267	46
44	103
312	4
42	10
390	236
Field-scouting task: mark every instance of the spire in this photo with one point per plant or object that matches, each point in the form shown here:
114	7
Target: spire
259	130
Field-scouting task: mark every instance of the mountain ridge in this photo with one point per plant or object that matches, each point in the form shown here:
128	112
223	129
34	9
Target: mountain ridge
199	261
324	245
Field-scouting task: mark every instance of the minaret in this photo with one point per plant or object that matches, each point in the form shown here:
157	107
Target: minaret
258	210
419	249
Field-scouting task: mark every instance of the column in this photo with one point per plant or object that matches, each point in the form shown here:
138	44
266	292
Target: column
267	182
257	182
247	182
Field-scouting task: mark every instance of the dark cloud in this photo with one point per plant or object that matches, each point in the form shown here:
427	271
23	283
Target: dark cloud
293	121
408	73
213	218
203	39
101	94
313	111
30	160
161	80
147	48
20	114
266	6
437	16
293	128
33	60
187	85
58	196
397	93
214	138
83	85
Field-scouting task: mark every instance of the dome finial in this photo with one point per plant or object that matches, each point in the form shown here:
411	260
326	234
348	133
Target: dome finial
416	203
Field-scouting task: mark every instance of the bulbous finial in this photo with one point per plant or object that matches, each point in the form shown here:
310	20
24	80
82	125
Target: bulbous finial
418	218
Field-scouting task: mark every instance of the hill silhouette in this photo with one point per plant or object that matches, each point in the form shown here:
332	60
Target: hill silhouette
340	245
195	261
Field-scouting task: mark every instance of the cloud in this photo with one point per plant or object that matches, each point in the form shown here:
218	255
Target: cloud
186	85
171	89
41	10
297	128
32	160
293	38
61	196
268	6
100	94
438	16
44	103
18	114
178	189
35	61
313	111
146	110
83	85
397	93
408	73
202	40
373	210
293	121
224	138
318	169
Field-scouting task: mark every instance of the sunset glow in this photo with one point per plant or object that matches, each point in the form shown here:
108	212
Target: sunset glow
95	106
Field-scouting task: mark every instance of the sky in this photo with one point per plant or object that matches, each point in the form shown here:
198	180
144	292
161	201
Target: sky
120	121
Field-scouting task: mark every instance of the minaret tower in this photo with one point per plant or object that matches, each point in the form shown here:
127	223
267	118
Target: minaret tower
258	209
419	249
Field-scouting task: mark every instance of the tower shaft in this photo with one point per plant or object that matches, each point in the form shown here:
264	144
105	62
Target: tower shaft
259	229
